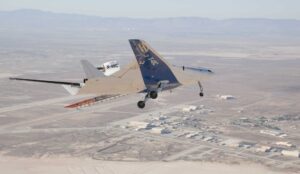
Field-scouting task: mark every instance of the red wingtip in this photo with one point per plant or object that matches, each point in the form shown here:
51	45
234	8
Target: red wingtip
81	103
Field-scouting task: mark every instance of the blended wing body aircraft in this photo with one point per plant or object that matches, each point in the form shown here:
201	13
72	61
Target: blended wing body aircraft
149	74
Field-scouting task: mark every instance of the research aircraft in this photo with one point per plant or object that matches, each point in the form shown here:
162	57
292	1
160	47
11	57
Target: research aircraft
149	73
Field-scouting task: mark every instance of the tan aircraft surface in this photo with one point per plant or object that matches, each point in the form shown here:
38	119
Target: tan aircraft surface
149	74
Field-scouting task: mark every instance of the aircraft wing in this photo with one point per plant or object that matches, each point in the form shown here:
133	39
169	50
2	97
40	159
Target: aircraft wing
195	69
198	69
92	101
48	81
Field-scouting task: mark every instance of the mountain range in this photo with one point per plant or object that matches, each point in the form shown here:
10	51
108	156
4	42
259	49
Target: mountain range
28	19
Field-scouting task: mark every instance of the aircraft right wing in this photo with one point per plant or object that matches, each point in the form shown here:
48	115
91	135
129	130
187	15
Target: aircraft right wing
71	87
195	69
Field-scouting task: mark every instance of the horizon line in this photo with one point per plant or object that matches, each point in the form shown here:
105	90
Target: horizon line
146	18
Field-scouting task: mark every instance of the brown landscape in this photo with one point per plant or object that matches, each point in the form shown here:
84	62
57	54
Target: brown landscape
247	122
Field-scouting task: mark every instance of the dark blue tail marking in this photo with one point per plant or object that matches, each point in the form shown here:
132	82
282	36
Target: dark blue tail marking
152	67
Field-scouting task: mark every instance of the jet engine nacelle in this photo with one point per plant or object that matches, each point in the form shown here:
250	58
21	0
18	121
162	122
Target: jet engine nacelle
109	68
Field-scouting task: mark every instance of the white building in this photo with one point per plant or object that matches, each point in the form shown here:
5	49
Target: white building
273	133
139	125
282	143
161	117
225	97
288	153
160	130
231	143
208	138
246	145
192	134
189	108
263	149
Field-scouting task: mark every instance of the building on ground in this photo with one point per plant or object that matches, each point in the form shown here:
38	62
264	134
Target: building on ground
291	153
189	108
263	149
160	130
283	143
225	97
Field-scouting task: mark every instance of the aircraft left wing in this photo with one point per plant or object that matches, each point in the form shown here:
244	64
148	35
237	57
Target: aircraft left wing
92	101
48	81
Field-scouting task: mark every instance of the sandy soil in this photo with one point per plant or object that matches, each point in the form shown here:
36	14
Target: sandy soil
11	165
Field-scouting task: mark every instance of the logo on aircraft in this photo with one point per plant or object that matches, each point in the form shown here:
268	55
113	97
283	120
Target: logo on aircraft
145	55
148	58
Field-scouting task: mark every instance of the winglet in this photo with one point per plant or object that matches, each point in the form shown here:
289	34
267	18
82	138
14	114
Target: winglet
152	66
90	70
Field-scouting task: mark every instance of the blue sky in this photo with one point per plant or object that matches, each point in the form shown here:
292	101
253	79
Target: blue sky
218	9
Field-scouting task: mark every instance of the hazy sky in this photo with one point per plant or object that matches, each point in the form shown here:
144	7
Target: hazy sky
165	8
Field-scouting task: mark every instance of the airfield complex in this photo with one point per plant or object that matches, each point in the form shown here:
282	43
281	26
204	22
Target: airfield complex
177	126
250	112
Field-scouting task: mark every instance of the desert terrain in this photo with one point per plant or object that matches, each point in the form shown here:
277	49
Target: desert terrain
248	120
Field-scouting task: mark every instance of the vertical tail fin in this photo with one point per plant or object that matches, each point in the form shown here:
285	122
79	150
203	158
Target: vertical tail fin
153	67
90	70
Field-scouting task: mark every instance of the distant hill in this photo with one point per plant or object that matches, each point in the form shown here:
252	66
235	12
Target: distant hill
41	20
